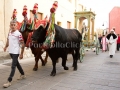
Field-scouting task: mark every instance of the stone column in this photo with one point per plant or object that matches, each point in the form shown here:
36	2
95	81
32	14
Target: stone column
80	24
93	29
75	22
89	22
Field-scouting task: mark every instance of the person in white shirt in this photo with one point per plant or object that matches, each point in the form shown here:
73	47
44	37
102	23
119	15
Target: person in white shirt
15	42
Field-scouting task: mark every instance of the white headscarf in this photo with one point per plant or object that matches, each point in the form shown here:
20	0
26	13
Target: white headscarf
112	30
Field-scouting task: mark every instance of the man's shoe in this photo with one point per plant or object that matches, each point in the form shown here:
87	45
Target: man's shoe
111	56
21	77
7	84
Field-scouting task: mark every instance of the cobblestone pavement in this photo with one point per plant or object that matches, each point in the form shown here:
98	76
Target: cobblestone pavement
97	72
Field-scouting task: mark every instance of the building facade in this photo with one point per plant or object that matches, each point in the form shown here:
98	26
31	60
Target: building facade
114	19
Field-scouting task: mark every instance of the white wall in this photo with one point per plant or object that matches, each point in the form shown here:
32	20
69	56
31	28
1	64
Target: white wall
5	17
1	20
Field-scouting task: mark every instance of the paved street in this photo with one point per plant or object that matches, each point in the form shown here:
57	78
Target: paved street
97	72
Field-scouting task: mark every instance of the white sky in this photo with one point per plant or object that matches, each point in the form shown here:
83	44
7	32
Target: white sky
101	8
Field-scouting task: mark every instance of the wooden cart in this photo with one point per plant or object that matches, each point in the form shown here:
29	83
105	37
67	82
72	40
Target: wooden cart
89	37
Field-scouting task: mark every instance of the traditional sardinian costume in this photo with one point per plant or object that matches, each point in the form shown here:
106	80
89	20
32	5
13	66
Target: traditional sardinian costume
104	43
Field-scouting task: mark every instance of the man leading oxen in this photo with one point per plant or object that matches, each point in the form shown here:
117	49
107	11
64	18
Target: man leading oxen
65	41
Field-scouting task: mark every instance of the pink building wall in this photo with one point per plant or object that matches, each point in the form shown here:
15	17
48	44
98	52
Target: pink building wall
114	19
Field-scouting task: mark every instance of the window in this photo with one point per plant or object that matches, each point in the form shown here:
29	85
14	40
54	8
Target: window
59	23
31	14
40	16
68	24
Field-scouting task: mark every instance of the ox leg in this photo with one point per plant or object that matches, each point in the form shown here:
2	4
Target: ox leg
73	59
53	73
36	64
77	55
64	59
43	62
46	58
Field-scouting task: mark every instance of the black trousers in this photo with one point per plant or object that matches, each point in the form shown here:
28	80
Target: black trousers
15	63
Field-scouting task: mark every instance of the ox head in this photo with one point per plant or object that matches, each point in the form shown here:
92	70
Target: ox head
39	35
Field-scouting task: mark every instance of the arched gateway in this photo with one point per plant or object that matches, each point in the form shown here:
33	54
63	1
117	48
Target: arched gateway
80	17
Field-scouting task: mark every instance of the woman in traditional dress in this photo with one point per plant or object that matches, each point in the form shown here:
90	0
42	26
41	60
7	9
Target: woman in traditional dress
104	43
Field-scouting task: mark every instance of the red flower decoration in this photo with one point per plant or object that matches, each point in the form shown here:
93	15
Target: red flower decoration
35	7
55	5
24	14
14	10
14	16
52	10
34	11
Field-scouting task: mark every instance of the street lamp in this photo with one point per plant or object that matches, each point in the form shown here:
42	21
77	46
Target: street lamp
105	30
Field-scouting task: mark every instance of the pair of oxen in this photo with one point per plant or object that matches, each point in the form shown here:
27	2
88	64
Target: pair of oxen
68	39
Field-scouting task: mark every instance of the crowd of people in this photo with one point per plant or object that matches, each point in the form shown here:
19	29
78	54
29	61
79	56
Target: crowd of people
110	42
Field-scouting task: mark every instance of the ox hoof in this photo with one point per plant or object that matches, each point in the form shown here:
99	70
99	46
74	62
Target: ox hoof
75	69
57	61
43	64
66	68
35	69
73	65
52	74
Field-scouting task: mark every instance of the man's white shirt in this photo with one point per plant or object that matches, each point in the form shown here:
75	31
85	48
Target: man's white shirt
14	42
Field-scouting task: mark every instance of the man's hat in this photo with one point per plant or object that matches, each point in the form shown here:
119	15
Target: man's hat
114	28
111	30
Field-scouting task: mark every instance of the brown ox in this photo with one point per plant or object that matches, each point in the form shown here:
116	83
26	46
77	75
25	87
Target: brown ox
36	51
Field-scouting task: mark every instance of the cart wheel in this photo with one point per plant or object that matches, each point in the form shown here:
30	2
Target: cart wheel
81	54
